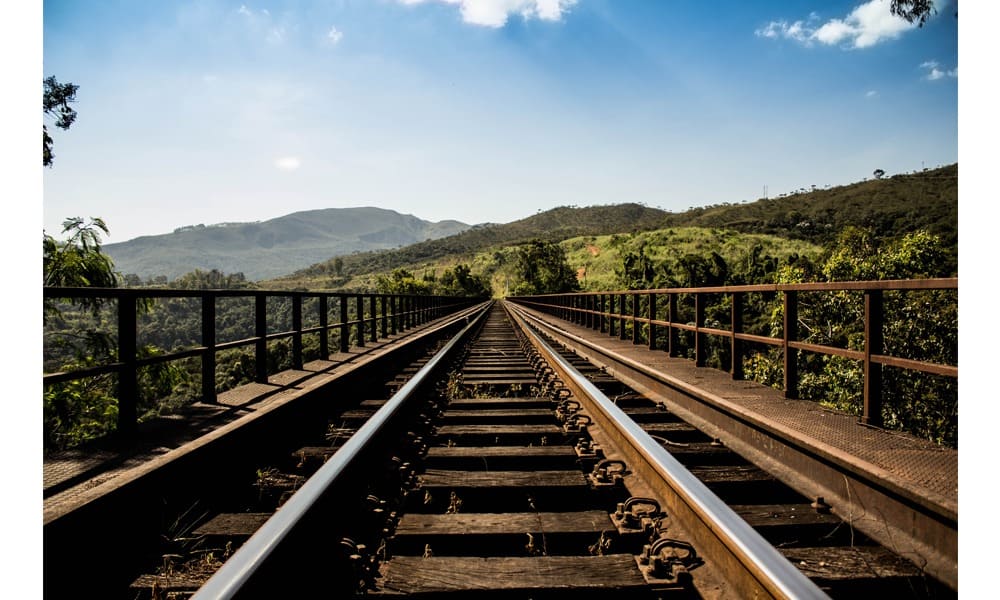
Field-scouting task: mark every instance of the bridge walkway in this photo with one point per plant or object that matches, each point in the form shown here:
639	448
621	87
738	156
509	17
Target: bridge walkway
896	465
69	476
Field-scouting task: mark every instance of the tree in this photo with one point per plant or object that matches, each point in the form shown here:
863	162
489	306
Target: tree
461	282
211	280
56	99
78	410
401	281
878	173
543	269
78	261
637	271
913	10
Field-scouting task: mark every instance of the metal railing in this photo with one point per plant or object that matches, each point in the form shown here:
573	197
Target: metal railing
368	316
637	314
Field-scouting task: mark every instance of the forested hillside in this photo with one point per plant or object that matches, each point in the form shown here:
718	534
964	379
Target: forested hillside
553	225
274	247
888	207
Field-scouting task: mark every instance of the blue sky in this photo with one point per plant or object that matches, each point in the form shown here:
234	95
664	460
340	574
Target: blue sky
482	110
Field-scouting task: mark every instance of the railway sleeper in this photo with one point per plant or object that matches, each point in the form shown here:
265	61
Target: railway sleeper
508	491
493	577
503	534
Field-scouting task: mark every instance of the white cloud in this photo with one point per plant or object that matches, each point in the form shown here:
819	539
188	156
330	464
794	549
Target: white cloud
494	13
276	35
335	35
867	25
261	23
288	163
871	94
798	31
935	72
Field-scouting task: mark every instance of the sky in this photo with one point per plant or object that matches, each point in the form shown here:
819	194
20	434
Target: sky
209	111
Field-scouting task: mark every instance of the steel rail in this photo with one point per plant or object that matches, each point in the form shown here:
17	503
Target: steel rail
773	573
239	569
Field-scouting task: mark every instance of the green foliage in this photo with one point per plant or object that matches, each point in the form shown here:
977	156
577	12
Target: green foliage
685	257
461	282
637	271
56	99
77	411
920	325
913	10
211	280
401	281
859	255
78	261
541	268
889	207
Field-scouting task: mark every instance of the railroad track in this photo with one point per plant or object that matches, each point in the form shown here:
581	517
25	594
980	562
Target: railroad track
498	465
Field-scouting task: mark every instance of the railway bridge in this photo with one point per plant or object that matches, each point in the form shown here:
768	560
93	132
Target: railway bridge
551	446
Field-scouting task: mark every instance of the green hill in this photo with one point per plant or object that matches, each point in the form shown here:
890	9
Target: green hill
891	206
553	225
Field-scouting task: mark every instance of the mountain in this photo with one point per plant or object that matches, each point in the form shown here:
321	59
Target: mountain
553	225
275	247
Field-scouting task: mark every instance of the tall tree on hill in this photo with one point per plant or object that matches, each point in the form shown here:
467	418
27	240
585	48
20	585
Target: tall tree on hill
542	269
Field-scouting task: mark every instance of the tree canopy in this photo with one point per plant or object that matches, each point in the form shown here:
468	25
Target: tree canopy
56	99
542	269
78	261
913	10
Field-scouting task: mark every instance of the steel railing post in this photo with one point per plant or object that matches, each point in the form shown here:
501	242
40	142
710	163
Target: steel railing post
874	344
297	335
700	339
345	328
324	323
736	346
359	301
208	394
260	331
790	334
651	312
635	318
622	329
612	322
673	342
128	386
384	303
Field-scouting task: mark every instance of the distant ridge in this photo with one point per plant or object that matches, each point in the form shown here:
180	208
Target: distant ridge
553	225
274	247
